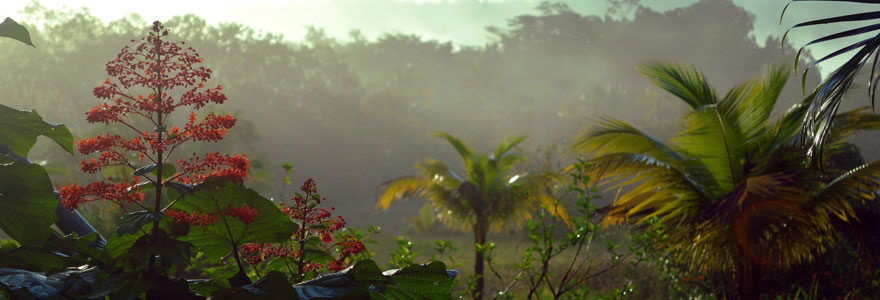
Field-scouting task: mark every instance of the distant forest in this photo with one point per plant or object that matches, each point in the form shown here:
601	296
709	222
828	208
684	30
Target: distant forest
354	113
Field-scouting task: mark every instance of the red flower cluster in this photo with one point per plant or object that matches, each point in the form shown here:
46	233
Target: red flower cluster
197	169
119	193
173	79
314	222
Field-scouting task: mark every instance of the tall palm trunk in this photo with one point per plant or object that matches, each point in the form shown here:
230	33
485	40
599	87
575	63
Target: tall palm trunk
745	281
480	232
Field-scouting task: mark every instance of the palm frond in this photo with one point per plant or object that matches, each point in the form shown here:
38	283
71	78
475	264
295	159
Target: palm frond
540	193
850	122
688	84
660	185
438	173
822	111
856	185
506	145
612	136
752	109
713	138
398	189
765	219
463	150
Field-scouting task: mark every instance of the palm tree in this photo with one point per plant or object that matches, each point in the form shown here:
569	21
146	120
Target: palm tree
828	95
484	198
731	188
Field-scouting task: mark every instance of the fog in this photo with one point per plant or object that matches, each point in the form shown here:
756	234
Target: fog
356	111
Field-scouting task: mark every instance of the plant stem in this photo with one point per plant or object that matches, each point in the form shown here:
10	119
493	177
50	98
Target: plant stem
157	206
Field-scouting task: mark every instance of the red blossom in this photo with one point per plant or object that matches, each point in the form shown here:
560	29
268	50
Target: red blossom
315	222
120	193
170	78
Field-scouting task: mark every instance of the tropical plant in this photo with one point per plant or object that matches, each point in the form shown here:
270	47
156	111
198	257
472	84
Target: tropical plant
142	262
11	29
545	268
311	246
731	189
483	199
823	108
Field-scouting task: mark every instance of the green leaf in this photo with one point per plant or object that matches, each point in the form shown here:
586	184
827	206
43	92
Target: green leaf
430	281
27	202
272	286
213	197
168	170
207	287
119	245
55	255
179	188
367	272
13	30
26	283
175	252
130	249
317	255
144	170
364	280
351	283
19	130
132	222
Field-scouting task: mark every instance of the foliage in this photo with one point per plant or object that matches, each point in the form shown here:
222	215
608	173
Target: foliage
404	254
401	86
309	248
819	118
731	187
544	270
11	29
210	211
483	198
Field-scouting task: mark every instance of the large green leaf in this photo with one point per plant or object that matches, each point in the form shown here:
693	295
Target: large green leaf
27	284
55	255
27	201
13	30
131	223
272	286
129	249
428	282
364	280
19	130
72	283
213	197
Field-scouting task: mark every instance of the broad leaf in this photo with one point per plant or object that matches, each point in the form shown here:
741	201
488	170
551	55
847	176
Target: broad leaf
69	284
272	286
55	255
213	197
430	281
27	202
22	283
19	130
13	30
132	222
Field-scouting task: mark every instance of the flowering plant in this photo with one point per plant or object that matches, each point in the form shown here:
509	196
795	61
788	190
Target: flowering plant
152	80
310	247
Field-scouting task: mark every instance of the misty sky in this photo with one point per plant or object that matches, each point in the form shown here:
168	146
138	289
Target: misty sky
444	20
